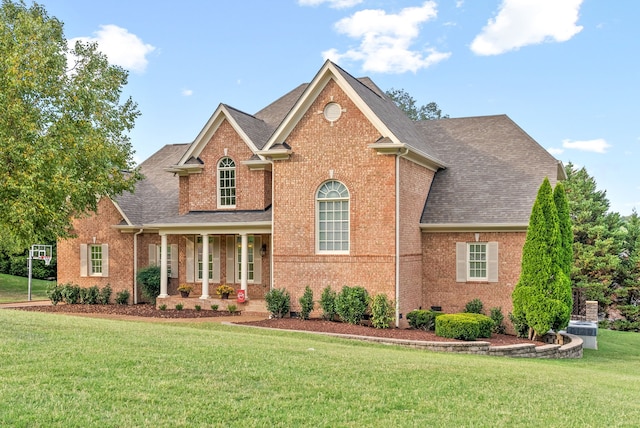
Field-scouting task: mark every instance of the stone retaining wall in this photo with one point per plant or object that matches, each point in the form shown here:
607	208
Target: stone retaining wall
571	349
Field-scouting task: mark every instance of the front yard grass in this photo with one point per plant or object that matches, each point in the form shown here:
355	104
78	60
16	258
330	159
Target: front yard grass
16	288
60	370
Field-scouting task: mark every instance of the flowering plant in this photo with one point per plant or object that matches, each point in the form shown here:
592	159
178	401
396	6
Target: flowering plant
224	289
186	288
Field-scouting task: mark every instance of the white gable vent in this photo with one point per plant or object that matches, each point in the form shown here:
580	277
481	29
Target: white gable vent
332	112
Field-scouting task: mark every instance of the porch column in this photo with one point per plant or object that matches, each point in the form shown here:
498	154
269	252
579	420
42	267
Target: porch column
244	265
205	266
163	266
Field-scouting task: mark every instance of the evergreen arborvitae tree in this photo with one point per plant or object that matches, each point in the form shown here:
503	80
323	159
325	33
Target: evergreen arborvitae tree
540	296
566	229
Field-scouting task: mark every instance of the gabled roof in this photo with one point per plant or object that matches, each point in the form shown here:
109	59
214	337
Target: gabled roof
495	170
385	116
253	131
156	195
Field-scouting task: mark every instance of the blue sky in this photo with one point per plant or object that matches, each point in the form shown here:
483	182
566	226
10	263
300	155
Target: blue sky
567	71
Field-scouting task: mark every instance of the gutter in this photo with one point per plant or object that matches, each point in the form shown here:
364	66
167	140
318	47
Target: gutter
135	266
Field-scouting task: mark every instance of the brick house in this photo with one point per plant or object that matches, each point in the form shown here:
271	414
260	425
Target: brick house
330	185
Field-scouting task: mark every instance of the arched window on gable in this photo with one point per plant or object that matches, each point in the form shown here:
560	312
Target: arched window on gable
332	218
227	183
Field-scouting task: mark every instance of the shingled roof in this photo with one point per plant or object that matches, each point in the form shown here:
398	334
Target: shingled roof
155	196
494	170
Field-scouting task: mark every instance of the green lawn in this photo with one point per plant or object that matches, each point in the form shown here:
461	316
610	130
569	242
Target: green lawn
65	371
16	289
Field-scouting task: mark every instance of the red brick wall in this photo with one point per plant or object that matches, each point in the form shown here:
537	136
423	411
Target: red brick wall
318	148
415	181
120	250
440	286
252	187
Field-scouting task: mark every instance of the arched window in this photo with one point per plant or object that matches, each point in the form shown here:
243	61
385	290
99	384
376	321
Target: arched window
227	183
332	213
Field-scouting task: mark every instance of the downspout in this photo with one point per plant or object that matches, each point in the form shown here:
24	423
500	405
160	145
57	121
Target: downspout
272	226
135	266
400	153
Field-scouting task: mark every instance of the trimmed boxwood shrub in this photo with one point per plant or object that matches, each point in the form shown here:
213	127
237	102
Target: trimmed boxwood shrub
328	303
306	303
278	302
464	326
352	304
423	319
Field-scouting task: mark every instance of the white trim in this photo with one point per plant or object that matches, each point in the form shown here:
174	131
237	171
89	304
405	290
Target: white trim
233	169
208	131
484	278
318	201
474	227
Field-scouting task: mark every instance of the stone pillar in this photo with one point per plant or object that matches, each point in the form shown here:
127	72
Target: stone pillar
163	266
205	266
592	311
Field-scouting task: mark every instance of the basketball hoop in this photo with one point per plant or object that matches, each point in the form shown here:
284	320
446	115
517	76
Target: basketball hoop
47	260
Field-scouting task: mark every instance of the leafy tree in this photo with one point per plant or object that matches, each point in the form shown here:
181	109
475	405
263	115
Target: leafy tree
597	237
408	104
542	297
63	129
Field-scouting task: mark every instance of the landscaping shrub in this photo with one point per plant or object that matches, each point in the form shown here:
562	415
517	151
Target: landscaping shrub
351	304
149	279
382	311
306	303
70	294
232	308
278	302
328	303
54	293
423	319
498	318
465	326
91	295
179	306
214	307
162	307
198	308
122	297
519	325
474	307
105	295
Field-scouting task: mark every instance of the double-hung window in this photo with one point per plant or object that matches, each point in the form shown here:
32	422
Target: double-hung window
477	262
94	260
332	218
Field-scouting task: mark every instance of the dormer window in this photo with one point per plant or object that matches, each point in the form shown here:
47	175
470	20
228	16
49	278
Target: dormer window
226	183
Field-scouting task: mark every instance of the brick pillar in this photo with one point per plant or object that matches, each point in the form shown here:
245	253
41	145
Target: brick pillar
592	311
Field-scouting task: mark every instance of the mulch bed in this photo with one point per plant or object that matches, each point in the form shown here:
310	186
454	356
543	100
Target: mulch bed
317	325
141	310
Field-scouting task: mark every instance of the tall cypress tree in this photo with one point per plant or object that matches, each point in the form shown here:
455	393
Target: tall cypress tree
540	296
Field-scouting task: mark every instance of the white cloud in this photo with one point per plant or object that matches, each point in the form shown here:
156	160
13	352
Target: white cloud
334	4
598	145
120	46
187	92
385	40
555	151
528	22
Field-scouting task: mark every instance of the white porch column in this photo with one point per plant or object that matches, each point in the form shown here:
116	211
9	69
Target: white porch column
205	266
163	266
244	265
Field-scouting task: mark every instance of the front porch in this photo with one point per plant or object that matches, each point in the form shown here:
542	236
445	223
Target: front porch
248	307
